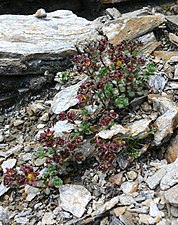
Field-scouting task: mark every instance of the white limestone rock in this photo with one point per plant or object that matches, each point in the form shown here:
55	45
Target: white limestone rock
74	199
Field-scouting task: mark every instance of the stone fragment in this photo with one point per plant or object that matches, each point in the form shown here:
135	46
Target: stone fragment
130	28
116	179
74	198
31	192
129	187
132	175
113	13
119	211
3	189
8	164
63	126
165	126
48	218
106	206
165	55
157	82
176	72
116	129
146	219
173	38
112	1
126	199
127	218
171	177
35	108
18	122
149	44
171	195
139	127
66	98
172	151
3	214
174	211
22	220
11	151
154	180
44	117
172	23
154	211
172	85
40	13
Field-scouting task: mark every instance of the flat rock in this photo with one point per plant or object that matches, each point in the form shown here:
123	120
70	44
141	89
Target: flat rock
30	45
171	177
172	22
165	55
63	126
171	195
130	28
8	164
74	199
3	189
153	181
65	98
149	43
173	38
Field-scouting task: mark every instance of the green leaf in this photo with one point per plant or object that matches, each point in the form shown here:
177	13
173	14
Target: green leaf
131	93
57	182
50	151
103	71
150	69
47	191
122	102
41	154
84	111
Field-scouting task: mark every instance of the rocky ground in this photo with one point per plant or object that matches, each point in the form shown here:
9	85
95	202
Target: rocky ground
143	191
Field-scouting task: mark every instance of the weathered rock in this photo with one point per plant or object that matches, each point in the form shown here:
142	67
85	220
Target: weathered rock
130	28
171	177
157	82
149	44
129	187
165	55
176	72
3	189
113	13
167	122
116	179
63	126
8	164
32	46
172	151
31	192
48	218
171	195
66	98
116	129
173	38
112	1
154	180
74	198
172	23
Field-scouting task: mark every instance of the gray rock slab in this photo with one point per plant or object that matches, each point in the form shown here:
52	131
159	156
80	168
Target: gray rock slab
153	181
74	199
29	45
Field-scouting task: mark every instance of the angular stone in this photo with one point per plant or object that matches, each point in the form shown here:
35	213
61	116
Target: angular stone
116	129
173	38
171	177
48	218
31	192
165	126
8	164
129	187
116	179
157	82
113	13
18	122
130	28
154	180
112	1
172	23
63	126
139	127
154	211
66	98
165	55
3	189
74	198
171	195
126	199
119	211
149	44
172	151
